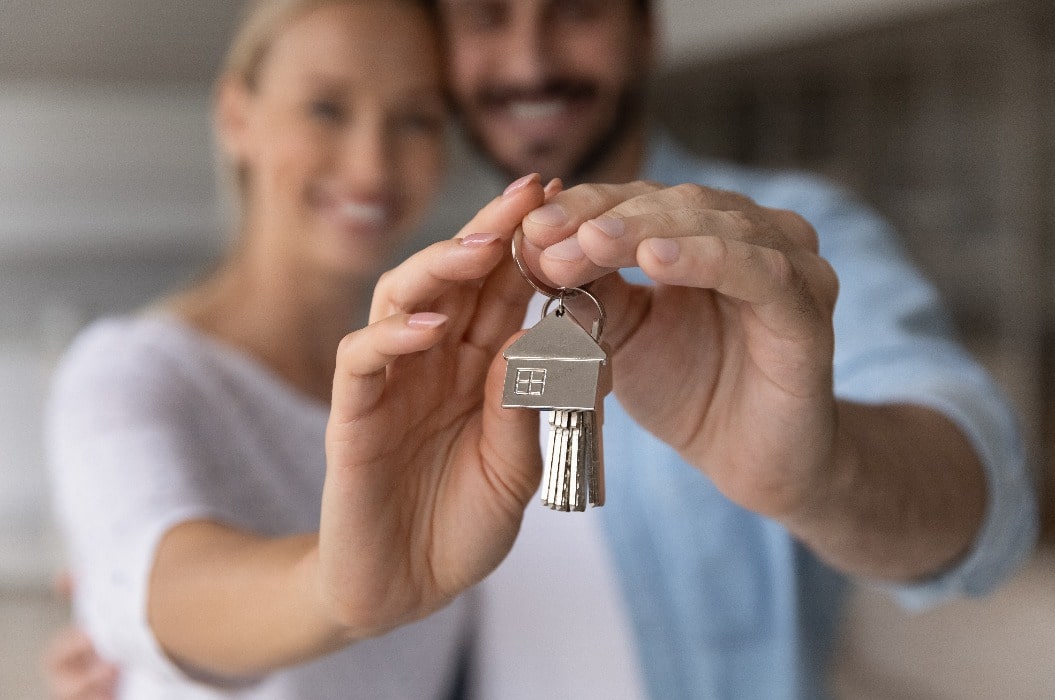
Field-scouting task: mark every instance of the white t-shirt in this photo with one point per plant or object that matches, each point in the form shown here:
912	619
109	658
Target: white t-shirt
152	423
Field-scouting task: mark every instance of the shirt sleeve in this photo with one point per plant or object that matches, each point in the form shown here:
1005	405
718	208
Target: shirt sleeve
895	342
118	435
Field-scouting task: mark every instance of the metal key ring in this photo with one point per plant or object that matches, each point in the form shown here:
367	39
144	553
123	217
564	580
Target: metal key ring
558	294
539	286
602	317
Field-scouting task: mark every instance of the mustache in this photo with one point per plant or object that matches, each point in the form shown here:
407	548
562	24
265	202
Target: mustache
563	88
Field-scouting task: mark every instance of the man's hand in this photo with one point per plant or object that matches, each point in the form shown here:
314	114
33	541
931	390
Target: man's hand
729	358
73	669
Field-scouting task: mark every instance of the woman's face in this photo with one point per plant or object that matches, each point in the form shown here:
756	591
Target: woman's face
342	135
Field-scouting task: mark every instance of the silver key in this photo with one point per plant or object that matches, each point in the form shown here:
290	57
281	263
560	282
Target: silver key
558	365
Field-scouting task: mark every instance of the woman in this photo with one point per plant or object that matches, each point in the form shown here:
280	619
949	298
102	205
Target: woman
244	488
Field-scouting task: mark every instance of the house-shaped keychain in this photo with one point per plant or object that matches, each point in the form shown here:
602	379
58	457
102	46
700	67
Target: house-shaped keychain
556	365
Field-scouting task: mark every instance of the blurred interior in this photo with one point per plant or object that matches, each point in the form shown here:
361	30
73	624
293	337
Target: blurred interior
940	113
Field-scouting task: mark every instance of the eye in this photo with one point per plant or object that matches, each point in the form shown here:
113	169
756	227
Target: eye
578	10
479	16
326	111
421	123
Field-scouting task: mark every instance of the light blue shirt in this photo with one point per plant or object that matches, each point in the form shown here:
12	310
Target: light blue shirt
725	603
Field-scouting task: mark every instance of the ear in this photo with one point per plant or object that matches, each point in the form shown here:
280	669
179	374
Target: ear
231	118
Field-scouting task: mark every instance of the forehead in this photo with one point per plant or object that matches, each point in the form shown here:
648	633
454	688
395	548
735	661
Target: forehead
452	7
390	38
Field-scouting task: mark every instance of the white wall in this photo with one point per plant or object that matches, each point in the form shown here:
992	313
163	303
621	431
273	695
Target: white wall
697	29
110	166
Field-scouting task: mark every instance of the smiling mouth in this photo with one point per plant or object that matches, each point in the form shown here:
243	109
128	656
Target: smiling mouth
546	101
537	109
358	213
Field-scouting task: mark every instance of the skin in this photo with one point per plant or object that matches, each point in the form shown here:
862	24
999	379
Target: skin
743	303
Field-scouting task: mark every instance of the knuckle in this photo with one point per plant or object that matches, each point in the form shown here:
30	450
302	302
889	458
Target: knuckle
798	228
693	195
741	222
590	194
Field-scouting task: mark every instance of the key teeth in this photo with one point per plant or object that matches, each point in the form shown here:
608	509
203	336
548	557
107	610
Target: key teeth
573	475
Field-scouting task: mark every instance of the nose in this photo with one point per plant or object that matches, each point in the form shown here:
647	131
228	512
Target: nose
525	54
366	156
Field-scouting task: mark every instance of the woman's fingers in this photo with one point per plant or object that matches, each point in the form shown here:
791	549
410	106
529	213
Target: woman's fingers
468	257
429	273
363	356
505	212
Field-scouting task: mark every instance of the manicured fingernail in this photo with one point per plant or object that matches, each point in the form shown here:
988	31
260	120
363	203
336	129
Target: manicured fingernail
521	183
478	240
568	250
610	226
666	249
553	187
426	319
549	215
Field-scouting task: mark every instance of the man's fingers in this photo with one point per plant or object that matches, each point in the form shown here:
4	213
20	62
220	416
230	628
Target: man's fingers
791	291
610	242
75	671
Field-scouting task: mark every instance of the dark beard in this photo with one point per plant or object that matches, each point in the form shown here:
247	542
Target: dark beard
628	116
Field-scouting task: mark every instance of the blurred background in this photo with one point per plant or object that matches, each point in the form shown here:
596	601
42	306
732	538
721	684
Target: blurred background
941	113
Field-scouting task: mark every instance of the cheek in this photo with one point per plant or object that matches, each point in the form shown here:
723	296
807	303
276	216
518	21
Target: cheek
467	69
286	160
421	172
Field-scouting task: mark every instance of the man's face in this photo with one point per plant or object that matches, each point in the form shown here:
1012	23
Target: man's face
549	86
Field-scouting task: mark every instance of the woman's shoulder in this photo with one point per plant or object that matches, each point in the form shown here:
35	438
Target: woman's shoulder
134	353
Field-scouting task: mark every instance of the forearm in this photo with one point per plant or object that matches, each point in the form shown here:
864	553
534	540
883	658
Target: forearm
905	499
232	604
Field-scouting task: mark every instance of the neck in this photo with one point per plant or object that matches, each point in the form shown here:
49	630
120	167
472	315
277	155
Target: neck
272	313
623	162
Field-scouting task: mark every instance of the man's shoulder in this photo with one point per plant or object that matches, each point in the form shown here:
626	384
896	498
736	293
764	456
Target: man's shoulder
671	163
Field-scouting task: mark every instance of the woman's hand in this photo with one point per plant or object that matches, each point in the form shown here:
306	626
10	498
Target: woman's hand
427	475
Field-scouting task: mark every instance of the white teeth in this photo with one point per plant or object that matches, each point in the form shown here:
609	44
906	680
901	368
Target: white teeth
371	214
536	110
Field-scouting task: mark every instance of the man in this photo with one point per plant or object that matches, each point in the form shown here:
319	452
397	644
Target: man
763	444
833	441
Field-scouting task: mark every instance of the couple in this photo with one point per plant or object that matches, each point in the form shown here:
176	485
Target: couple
260	503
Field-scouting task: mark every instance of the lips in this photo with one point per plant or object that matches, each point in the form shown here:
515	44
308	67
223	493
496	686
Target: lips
539	109
373	215
356	215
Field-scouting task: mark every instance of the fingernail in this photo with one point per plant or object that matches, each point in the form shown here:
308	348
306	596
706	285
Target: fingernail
426	319
478	240
521	183
568	250
553	187
610	226
666	249
549	215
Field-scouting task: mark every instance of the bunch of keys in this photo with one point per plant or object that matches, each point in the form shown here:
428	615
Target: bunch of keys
560	366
